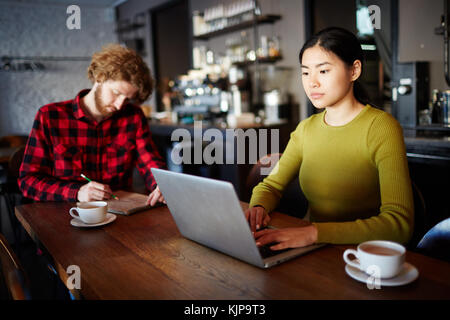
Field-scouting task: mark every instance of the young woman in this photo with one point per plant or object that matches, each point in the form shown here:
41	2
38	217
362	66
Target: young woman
350	159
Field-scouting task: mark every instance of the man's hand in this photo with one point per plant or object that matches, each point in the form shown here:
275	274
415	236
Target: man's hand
93	191
155	196
257	217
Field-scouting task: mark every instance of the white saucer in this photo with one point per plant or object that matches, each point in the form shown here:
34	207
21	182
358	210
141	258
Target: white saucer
78	223
408	274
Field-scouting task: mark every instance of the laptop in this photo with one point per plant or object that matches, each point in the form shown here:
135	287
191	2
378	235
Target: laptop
208	212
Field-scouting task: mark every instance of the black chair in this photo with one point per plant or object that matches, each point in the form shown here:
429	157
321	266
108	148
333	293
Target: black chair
14	282
8	175
436	242
293	202
10	192
420	217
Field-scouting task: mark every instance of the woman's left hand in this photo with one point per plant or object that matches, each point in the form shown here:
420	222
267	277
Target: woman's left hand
287	237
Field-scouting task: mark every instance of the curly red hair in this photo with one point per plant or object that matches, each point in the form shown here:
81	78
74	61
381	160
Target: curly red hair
115	62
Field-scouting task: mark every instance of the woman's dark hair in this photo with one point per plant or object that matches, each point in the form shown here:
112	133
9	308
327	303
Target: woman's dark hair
343	44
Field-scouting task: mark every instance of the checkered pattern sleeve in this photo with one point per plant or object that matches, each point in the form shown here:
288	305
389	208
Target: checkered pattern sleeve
35	177
148	155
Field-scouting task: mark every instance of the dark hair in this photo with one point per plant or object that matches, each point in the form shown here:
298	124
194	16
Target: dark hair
343	44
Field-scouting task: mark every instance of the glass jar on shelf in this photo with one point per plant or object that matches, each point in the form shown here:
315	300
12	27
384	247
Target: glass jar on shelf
274	47
263	50
425	117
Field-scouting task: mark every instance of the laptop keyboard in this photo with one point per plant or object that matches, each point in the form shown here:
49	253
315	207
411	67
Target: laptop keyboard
266	252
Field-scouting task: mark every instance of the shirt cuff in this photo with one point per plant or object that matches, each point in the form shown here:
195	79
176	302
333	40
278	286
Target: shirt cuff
73	193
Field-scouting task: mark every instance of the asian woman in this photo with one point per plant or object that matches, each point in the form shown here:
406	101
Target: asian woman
350	159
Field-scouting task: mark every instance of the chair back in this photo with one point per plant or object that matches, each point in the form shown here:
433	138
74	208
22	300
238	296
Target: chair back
15	162
10	191
436	242
12	275
13	141
293	202
255	176
420	217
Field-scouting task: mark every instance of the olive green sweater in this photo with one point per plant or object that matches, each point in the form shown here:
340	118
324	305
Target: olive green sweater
354	176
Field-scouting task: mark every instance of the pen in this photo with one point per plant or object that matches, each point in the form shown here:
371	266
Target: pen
112	195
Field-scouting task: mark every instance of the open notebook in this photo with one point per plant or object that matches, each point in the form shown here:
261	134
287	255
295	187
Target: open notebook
128	203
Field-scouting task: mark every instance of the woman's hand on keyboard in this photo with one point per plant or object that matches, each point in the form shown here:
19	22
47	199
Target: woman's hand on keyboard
287	237
257	217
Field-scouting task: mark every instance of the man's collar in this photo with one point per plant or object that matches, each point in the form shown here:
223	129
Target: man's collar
78	111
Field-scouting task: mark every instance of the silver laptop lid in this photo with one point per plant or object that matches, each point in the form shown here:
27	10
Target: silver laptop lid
215	221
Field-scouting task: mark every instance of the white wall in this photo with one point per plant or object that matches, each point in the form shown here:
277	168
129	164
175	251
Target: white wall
417	21
39	29
417	40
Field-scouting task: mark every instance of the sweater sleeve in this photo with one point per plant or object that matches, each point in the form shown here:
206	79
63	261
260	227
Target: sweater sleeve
268	192
395	221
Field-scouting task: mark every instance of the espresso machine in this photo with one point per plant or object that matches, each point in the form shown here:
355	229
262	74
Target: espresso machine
275	82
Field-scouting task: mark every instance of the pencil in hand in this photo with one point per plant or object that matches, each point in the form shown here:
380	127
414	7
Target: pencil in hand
112	195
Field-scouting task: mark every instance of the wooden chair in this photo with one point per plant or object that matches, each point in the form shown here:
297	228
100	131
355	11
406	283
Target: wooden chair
13	278
10	142
9	190
293	202
436	242
13	141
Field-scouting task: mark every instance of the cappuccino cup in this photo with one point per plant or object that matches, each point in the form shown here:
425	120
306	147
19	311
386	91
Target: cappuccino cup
385	258
90	212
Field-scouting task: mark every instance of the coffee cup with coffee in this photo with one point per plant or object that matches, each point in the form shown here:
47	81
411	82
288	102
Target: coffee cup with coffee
90	212
387	256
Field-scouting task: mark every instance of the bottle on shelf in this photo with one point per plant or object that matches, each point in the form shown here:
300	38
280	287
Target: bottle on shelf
436	113
446	107
222	16
198	23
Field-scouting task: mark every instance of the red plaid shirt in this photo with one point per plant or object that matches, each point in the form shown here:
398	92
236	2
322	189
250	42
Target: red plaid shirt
64	143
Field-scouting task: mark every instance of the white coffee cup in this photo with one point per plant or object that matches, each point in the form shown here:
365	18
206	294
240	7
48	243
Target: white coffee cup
385	258
90	212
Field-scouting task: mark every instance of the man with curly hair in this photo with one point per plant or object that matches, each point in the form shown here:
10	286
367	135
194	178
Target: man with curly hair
100	133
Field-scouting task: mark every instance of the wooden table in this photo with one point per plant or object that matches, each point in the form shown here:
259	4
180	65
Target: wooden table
143	256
